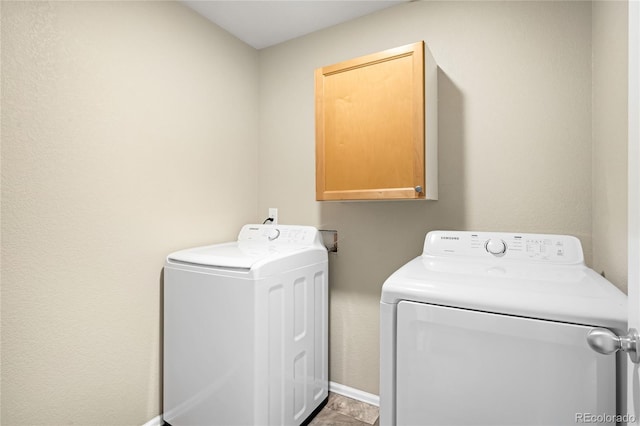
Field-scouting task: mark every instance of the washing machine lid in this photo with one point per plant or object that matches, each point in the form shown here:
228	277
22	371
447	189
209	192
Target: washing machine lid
256	245
242	255
457	269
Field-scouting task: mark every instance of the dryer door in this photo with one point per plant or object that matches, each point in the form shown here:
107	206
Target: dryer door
461	367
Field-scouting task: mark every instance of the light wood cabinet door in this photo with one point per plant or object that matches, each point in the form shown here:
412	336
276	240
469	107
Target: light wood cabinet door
370	127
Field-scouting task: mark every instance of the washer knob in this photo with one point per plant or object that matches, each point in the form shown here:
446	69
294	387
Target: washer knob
496	247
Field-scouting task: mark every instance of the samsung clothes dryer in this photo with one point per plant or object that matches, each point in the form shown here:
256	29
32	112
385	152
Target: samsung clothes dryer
245	329
491	329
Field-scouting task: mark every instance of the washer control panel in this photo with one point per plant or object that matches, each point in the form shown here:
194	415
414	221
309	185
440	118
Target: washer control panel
279	234
560	249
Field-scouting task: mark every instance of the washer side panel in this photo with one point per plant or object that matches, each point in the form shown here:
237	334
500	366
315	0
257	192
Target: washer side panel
208	349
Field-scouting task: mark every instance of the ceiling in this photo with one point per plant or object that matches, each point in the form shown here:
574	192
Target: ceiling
266	23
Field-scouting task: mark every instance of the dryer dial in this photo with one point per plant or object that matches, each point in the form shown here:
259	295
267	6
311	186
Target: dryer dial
273	234
496	247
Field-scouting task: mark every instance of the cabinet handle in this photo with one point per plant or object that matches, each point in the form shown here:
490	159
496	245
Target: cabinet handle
418	189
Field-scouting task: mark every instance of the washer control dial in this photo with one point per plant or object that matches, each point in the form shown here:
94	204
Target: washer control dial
496	247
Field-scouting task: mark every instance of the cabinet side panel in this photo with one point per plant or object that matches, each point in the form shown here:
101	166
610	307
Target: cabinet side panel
430	125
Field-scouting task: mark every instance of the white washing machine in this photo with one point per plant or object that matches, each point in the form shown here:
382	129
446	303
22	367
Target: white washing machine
491	329
245	329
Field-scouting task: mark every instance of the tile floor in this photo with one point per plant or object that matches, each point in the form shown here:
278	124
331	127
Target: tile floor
343	411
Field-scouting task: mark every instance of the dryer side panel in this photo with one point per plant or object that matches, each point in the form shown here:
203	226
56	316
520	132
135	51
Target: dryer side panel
461	367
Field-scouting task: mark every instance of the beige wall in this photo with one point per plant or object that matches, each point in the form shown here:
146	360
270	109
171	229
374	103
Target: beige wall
609	205
128	131
515	144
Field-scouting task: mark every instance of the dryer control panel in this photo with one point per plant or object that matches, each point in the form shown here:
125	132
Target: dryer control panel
279	234
547	248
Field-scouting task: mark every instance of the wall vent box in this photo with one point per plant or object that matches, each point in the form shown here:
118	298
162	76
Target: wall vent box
377	127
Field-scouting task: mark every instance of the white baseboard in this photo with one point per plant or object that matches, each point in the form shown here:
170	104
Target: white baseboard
343	390
363	396
156	421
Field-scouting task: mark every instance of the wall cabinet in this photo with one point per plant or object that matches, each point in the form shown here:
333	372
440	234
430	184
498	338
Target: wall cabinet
376	126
